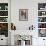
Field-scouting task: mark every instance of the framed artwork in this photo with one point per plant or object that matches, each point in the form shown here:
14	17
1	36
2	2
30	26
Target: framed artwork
23	14
42	32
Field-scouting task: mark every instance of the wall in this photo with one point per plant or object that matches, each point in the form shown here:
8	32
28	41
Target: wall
32	15
25	4
32	6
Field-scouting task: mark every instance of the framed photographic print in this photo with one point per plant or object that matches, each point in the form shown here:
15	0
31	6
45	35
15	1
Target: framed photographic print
42	32
23	14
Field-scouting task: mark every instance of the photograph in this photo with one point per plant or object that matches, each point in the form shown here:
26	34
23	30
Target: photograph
23	14
42	32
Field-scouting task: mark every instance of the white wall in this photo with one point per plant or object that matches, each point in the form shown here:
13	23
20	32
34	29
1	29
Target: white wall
24	4
32	6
